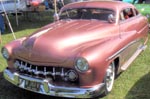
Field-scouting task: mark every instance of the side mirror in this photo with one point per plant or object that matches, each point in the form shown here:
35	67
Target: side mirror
111	18
56	17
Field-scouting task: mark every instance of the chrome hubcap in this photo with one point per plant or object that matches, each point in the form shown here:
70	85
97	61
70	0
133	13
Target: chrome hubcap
110	77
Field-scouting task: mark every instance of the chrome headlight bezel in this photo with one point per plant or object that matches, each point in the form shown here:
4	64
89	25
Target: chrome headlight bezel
81	65
5	53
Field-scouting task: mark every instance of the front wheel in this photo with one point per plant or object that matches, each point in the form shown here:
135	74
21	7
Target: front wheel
109	78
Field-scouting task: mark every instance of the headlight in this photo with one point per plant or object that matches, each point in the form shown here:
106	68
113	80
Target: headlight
82	65
5	53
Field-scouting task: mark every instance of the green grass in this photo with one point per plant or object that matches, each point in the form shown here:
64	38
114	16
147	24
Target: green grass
131	84
135	82
143	8
26	27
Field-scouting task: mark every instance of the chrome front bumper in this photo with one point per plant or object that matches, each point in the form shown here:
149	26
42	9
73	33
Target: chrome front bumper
48	89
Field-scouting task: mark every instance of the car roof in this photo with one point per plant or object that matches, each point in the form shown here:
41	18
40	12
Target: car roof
114	5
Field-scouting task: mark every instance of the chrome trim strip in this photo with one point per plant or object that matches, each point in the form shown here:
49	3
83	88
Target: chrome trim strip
142	29
127	64
122	49
48	89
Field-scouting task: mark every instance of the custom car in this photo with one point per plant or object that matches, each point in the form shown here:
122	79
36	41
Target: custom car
80	53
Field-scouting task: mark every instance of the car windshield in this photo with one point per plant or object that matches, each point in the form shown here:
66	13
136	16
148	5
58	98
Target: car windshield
87	13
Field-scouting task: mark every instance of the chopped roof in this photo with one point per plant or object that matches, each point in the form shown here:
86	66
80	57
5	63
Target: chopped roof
99	4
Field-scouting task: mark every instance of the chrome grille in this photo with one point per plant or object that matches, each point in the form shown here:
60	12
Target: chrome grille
43	71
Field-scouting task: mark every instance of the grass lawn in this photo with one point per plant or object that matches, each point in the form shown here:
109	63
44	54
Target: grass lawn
131	84
143	8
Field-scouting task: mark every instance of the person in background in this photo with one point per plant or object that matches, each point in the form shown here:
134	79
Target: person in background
46	4
60	4
2	24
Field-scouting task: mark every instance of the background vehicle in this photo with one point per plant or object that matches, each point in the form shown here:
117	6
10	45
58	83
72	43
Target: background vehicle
11	6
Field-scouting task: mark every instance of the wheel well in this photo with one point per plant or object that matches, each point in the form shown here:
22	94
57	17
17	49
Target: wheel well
116	62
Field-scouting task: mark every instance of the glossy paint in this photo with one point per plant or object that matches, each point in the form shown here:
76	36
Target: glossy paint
59	44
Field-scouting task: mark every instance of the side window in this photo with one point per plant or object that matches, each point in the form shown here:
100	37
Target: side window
136	12
122	16
126	14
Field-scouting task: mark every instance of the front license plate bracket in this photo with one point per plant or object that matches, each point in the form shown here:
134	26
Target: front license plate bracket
32	85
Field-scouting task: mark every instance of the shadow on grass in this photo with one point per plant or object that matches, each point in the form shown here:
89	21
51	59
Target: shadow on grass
32	21
9	91
141	89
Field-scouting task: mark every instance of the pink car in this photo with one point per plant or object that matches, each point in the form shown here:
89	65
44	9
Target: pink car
80	54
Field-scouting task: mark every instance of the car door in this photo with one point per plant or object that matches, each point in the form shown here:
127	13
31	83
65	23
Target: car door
128	34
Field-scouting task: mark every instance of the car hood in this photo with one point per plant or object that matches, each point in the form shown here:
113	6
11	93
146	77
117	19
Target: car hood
63	40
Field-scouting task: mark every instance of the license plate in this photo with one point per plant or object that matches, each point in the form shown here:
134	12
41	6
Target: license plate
32	85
